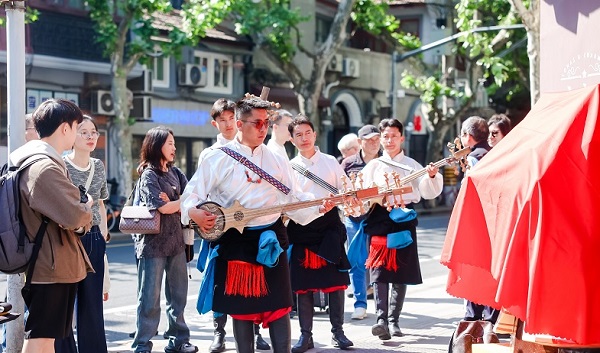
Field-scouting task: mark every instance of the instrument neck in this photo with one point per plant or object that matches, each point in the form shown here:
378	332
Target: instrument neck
419	173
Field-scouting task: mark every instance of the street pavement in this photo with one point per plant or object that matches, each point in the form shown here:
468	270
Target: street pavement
427	319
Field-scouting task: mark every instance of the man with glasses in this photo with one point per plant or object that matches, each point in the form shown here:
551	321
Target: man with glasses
236	261
223	119
474	134
370	148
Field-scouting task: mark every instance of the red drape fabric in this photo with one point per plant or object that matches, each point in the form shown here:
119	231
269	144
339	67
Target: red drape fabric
525	231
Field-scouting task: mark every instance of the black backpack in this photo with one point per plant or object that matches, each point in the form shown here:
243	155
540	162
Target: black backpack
16	251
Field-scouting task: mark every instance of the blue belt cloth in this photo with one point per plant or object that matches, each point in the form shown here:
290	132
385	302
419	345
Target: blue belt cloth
403	238
206	293
203	255
268	249
357	250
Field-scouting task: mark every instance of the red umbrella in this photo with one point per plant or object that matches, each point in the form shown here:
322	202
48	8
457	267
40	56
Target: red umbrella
525	231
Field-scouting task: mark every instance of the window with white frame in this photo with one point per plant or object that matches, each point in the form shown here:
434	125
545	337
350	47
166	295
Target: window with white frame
219	69
160	70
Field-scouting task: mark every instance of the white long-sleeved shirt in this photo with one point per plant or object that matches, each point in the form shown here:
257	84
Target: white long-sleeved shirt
425	186
277	148
222	179
221	141
322	165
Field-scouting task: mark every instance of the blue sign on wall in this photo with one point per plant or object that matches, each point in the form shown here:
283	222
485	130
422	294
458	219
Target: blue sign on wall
180	117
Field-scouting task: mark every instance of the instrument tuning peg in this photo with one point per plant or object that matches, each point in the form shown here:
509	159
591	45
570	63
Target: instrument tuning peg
360	179
344	183
387	180
353	181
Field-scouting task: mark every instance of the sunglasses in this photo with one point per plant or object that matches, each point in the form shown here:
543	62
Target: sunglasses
259	124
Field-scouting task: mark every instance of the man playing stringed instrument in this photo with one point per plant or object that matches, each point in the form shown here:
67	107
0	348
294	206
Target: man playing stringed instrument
223	119
248	274
393	257
318	261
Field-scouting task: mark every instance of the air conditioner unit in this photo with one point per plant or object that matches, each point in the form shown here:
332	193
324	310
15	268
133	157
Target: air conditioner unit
351	68
192	75
142	108
142	83
102	103
336	63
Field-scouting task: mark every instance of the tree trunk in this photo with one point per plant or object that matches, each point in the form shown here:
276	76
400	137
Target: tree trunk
122	129
437	141
533	52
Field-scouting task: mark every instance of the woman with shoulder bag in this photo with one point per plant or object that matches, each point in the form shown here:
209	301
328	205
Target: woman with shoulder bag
160	185
89	172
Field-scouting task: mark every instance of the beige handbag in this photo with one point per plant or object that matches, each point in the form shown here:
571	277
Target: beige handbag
139	220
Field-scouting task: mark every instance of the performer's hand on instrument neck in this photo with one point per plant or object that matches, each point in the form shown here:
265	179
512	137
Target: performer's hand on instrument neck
204	219
327	205
432	170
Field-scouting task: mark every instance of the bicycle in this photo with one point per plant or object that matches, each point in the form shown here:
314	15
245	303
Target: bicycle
114	205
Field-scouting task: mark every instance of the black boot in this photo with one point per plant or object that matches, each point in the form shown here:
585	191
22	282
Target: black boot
336	317
261	344
280	332
381	329
396	303
218	343
243	331
305	319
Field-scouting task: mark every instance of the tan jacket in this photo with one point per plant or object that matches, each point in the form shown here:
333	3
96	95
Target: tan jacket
46	189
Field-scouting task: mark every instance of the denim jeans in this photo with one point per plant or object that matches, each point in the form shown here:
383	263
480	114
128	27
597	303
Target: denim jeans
358	274
89	305
150	274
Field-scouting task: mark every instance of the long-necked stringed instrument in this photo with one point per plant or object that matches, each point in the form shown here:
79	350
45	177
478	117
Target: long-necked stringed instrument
236	216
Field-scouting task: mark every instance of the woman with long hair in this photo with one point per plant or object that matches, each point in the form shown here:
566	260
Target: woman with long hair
159	187
89	172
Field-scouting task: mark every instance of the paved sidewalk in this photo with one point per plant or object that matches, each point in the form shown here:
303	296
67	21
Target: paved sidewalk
427	323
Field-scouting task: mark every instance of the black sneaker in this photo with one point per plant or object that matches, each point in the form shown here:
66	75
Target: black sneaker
183	348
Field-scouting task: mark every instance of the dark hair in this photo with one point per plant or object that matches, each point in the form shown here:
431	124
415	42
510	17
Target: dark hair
244	107
49	115
151	153
477	127
299	120
502	122
220	106
391	122
90	119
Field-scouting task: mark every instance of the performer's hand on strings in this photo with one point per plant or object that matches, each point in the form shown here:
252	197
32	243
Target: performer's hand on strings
204	219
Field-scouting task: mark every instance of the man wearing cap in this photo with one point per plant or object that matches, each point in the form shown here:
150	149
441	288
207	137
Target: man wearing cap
368	137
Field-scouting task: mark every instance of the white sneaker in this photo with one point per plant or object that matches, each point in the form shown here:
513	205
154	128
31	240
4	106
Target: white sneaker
359	314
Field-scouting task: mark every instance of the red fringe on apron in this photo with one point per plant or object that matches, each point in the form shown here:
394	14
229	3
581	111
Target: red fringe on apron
380	255
245	279
312	260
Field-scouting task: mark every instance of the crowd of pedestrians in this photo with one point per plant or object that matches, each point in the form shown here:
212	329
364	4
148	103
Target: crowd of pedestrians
256	276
